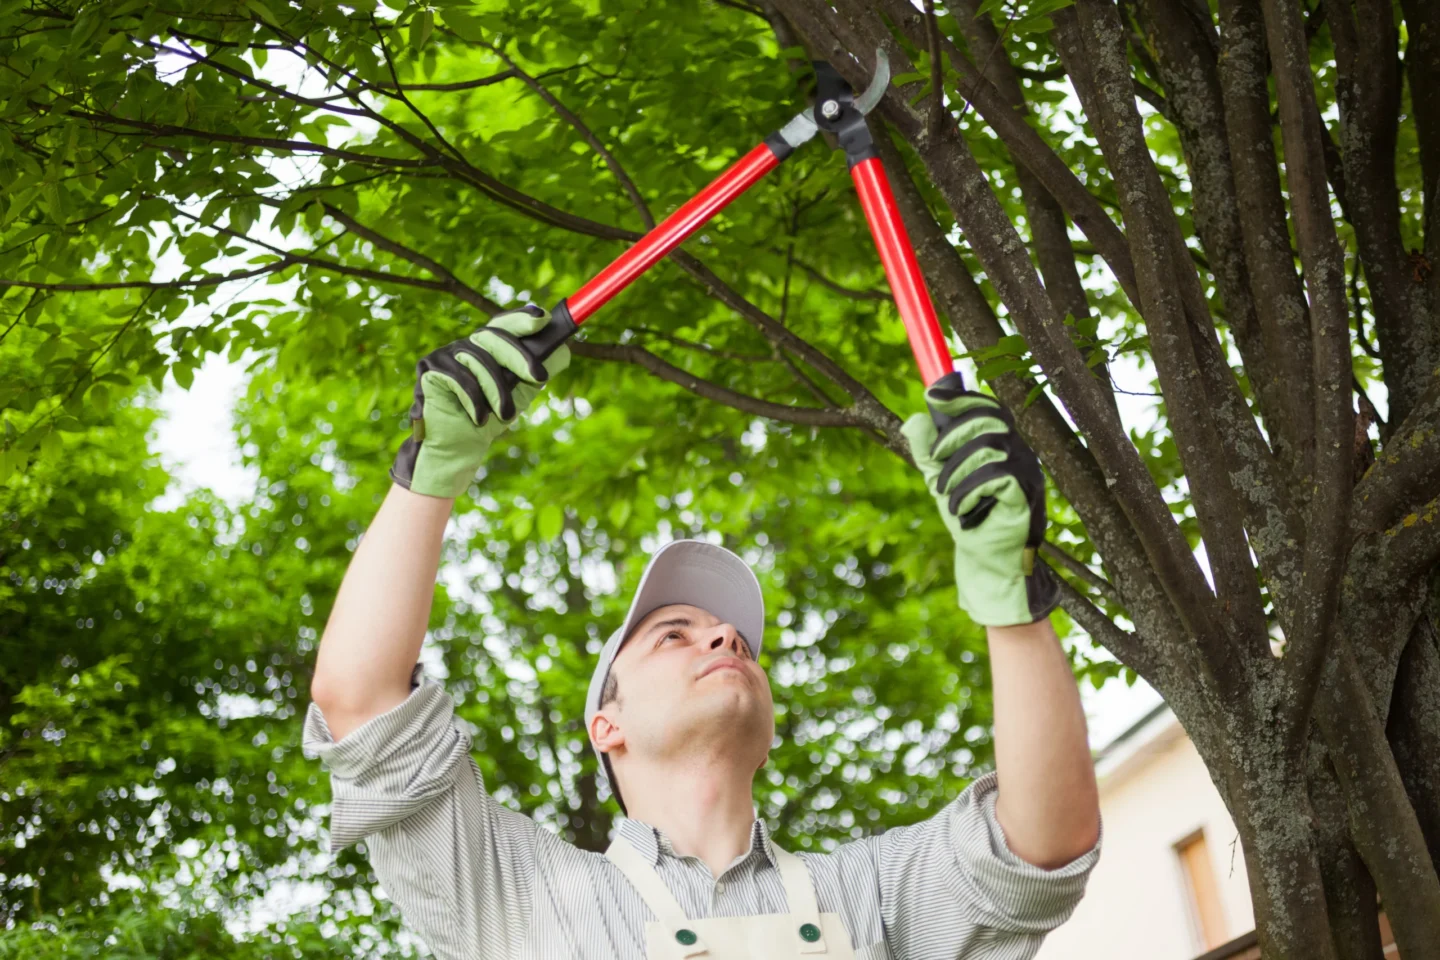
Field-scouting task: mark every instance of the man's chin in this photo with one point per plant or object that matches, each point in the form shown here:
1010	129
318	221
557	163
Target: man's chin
725	709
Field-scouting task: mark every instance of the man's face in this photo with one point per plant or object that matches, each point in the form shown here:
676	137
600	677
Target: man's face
688	682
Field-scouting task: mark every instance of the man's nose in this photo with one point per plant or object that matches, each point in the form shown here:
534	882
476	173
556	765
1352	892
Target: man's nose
727	637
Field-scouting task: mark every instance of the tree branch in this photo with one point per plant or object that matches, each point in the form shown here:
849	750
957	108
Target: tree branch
1407	468
570	117
1326	542
1128	647
867	409
702	347
1044	428
1280	305
1368	93
1025	145
208	280
954	170
453	283
1186	61
1054	552
269	143
1049	233
882	296
628	353
1162	277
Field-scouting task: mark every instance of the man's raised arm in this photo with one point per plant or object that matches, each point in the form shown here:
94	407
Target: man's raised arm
1048	801
373	637
991	493
381	612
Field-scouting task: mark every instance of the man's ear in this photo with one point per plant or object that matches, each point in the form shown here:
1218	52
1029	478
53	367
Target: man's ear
605	734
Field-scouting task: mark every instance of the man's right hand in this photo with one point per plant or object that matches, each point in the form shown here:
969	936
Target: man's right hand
462	403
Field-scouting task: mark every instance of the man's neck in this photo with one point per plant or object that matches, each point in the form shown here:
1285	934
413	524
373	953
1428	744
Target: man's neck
705	811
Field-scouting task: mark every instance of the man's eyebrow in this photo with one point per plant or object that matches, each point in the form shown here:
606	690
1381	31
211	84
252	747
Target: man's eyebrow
672	622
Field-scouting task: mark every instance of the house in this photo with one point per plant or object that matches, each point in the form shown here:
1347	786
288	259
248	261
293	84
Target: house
1171	881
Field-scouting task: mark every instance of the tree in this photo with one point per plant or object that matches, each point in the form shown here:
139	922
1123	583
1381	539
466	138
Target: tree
1090	188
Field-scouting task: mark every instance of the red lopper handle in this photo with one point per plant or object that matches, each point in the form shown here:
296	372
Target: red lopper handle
907	285
672	231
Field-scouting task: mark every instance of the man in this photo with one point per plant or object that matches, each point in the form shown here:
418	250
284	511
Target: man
680	712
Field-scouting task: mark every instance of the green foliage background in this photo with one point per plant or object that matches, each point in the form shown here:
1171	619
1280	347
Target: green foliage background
154	663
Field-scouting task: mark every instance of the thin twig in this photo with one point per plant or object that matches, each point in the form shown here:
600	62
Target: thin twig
457	286
703	347
20	313
985	65
209	280
937	72
1082	570
124	327
629	353
1358	306
570	117
844	291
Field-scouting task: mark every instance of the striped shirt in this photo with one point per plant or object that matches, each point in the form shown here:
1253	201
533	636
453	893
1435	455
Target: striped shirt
476	879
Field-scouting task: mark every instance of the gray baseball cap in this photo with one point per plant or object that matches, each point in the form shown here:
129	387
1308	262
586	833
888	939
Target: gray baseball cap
683	571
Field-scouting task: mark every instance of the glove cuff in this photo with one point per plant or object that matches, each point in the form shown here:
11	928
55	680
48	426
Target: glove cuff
1042	591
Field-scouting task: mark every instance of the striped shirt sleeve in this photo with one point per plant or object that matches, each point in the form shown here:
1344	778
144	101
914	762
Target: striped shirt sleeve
460	866
953	878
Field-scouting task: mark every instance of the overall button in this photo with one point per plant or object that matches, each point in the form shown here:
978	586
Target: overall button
809	932
687	937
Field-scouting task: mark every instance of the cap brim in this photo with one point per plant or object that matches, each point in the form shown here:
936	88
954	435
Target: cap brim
702	575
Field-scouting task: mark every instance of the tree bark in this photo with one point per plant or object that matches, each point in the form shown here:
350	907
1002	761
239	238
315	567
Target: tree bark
1368	93
1186	59
1049	233
1277	832
1414	724
1279	299
1349	888
1383	824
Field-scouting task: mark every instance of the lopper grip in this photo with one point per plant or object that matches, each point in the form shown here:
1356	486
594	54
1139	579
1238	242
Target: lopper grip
955	384
544	342
951	382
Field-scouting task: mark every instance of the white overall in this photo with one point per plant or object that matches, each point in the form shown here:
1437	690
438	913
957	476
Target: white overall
802	934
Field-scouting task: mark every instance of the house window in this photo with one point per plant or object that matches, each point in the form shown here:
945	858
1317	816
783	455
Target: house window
1202	890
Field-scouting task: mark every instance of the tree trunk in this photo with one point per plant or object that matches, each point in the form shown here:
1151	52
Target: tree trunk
1414	726
1382	822
1277	831
1349	888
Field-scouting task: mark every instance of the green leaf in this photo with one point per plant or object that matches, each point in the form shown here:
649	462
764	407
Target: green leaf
465	26
99	398
620	511
262	10
184	374
420	29
51	444
521	523
550	522
995	368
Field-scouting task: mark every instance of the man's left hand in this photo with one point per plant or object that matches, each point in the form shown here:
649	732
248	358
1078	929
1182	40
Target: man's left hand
991	493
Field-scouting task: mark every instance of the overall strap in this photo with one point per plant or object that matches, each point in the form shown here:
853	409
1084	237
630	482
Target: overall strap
646	881
800	895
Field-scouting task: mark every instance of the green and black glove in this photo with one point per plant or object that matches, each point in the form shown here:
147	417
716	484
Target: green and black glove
991	493
462	401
